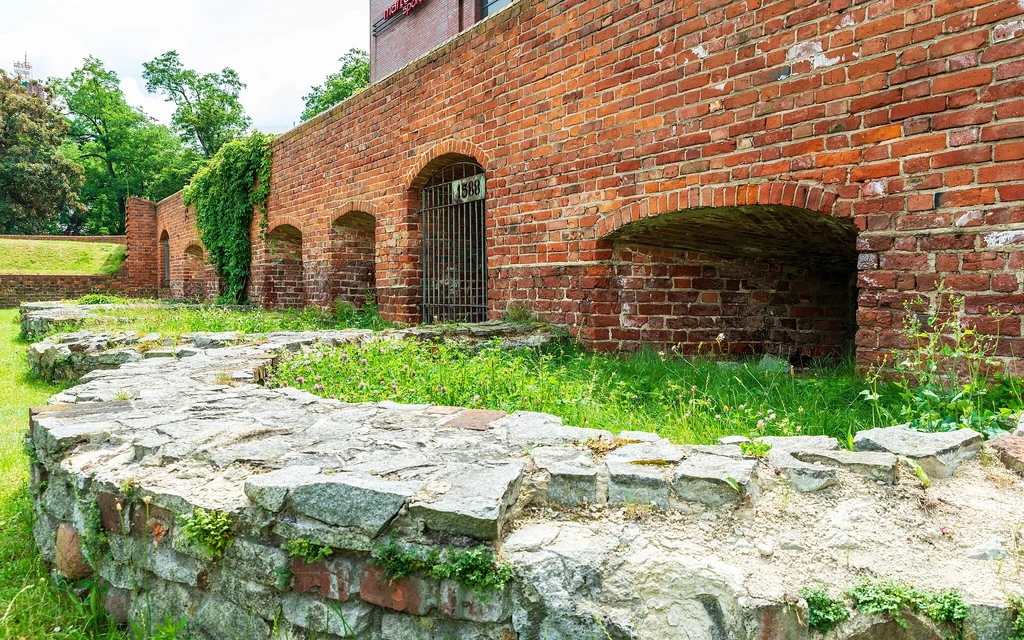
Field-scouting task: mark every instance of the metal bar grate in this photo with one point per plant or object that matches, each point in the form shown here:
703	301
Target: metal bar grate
454	245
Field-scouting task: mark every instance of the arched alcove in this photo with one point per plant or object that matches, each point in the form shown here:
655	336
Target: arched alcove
352	257
194	277
742	279
284	278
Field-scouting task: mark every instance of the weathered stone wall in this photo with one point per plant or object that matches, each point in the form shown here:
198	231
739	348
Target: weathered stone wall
630	538
884	135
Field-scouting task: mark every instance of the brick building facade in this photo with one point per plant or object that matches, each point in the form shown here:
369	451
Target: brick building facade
745	175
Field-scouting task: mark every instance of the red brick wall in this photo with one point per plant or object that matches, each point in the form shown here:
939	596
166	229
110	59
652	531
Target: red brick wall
903	118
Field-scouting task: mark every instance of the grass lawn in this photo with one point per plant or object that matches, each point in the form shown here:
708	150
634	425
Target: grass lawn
31	606
172	320
58	257
684	400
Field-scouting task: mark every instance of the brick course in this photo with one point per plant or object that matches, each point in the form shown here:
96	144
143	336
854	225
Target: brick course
903	121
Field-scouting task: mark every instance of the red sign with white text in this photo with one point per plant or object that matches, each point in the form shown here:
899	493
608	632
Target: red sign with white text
405	6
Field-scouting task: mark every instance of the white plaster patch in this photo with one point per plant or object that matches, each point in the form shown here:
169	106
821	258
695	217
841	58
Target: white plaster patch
821	60
874	188
848	20
970	217
803	50
1007	31
1003	238
720	86
702	53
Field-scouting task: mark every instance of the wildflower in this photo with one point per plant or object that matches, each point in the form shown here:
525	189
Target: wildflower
318	387
760	424
118	506
300	379
800	410
146	499
394	387
362	361
362	385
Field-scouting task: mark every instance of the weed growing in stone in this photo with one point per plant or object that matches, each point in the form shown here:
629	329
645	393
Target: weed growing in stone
755	449
890	597
823	611
476	568
309	551
208	531
1016	603
685	400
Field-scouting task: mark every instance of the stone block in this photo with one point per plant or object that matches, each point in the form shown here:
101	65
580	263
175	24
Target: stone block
269	490
412	594
113	519
462	603
803	476
316	531
348	619
1010	450
364	503
705	478
254	561
221	618
639	473
44	532
767	620
336	578
258	599
470	500
117	603
70	559
878	466
939	454
396	626
572	475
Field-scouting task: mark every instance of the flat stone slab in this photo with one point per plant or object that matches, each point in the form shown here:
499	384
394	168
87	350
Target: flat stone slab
715	480
878	466
572	475
937	453
803	476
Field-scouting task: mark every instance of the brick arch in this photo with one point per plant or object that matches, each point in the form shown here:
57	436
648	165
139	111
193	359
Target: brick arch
283	221
440	155
799	195
363	206
284	273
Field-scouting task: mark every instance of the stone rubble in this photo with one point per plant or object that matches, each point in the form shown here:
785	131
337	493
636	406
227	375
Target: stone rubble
160	437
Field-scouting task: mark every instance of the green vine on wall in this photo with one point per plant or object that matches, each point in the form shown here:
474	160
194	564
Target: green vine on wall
225	193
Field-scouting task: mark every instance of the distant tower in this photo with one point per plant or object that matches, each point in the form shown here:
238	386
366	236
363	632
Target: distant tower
23	70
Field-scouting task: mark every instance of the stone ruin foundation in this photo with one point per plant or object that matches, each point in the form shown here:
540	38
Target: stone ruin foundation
622	538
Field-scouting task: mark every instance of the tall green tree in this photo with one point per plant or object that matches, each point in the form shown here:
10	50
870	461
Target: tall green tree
121	151
209	112
37	183
353	77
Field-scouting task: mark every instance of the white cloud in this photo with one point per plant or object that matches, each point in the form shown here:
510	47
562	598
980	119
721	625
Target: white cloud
280	49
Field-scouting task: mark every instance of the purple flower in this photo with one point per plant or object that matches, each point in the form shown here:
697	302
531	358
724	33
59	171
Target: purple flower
300	379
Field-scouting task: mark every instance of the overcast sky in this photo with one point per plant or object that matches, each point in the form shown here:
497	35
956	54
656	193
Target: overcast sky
279	48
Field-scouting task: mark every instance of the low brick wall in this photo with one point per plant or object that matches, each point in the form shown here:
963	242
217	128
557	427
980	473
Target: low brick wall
16	289
107	239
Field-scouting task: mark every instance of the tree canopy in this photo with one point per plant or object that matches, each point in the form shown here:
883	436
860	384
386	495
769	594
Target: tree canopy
37	183
208	110
352	78
120	150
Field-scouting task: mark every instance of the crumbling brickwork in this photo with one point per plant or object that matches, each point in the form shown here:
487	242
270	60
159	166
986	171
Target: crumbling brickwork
764	135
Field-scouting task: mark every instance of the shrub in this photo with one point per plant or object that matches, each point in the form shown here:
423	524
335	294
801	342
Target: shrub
309	551
476	568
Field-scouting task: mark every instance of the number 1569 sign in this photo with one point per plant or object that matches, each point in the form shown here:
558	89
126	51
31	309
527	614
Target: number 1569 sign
468	189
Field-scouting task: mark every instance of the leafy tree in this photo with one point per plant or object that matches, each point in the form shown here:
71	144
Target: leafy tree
208	112
36	182
351	79
121	151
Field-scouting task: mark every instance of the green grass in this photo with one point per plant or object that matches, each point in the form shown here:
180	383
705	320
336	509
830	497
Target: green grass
172	320
684	400
59	257
31	605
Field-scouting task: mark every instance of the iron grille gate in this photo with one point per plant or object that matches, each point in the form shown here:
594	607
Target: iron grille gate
454	245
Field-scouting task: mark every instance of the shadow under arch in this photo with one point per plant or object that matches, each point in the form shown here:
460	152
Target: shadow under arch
284	278
353	256
739	278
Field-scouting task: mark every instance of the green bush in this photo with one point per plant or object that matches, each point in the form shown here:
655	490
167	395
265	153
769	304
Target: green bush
476	569
309	551
889	597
